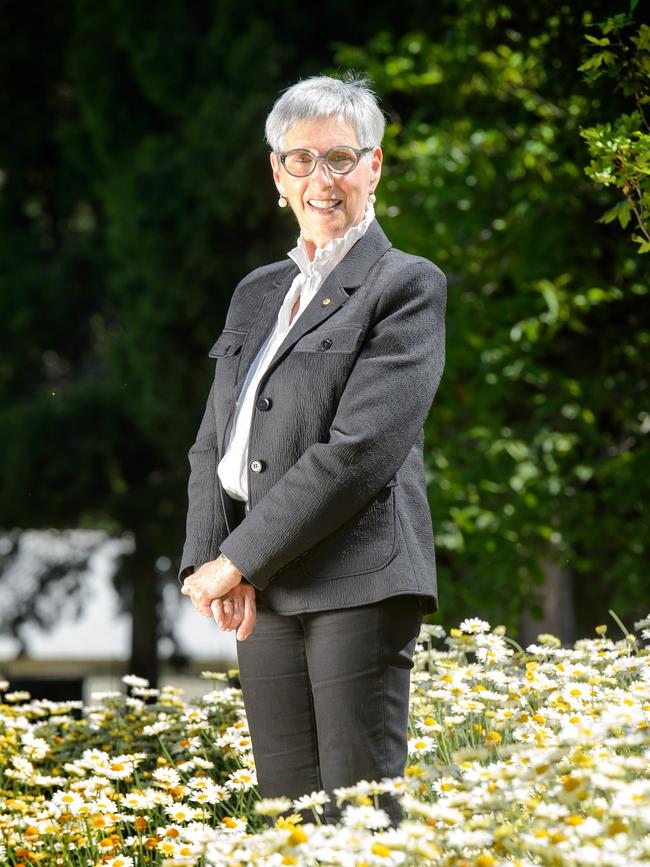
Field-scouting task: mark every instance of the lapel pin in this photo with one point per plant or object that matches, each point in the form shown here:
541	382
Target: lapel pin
326	301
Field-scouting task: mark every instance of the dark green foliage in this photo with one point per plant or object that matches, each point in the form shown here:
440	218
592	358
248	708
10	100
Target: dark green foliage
538	440
620	150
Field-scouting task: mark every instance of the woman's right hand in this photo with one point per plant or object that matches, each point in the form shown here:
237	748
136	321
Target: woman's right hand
236	609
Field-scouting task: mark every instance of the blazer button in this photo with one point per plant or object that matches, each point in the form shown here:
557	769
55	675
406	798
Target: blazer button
257	466
325	344
263	403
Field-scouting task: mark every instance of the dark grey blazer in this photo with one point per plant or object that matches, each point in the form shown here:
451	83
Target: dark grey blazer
338	513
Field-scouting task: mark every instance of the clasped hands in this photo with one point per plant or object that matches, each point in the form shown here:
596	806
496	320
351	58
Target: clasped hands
216	590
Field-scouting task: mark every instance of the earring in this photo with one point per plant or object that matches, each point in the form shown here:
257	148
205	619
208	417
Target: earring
372	198
282	202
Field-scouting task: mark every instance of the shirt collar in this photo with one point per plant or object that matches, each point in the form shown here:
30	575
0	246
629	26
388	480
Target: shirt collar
327	258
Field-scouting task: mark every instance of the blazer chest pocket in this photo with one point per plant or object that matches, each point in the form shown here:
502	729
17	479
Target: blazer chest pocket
365	543
227	351
228	343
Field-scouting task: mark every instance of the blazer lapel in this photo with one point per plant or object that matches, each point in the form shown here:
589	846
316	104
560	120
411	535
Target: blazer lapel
263	322
260	328
350	273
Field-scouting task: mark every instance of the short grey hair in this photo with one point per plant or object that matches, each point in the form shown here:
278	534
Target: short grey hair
350	98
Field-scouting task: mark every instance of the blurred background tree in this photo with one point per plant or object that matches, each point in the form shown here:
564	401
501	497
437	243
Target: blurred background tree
135	192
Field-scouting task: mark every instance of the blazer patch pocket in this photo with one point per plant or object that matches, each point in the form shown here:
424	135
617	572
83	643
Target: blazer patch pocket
366	543
228	343
342	339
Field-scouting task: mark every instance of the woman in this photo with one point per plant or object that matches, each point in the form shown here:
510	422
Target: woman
308	526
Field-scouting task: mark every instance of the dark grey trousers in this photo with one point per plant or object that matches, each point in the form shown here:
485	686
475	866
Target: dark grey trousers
327	696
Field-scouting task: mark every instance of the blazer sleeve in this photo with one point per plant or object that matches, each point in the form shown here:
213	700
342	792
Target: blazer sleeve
205	524
380	414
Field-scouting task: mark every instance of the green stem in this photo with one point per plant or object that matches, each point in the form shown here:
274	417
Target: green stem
625	630
514	643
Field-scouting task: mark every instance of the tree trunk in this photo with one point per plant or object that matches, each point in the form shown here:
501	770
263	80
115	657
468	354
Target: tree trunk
558	612
145	605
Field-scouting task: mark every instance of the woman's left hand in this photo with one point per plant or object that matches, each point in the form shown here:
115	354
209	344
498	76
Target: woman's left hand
210	581
237	610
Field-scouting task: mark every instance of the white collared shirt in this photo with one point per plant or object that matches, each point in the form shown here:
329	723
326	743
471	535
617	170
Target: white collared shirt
233	467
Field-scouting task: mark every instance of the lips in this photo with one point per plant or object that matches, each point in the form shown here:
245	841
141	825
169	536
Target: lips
323	204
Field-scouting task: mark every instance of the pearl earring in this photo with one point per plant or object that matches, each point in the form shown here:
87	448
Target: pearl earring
372	198
282	202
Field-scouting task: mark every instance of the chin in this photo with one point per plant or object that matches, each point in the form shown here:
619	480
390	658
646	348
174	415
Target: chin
325	239
333	229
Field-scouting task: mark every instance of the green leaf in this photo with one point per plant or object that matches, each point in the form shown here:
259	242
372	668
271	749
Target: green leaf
614	213
625	212
592	62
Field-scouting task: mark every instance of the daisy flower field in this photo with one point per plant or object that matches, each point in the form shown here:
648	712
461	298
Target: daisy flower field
516	756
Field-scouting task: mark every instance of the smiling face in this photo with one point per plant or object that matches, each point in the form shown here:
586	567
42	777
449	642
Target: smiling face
326	205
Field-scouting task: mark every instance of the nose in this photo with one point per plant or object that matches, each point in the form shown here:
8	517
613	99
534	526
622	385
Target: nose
322	171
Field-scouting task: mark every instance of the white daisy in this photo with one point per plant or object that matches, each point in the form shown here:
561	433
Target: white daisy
365	817
314	801
241	780
167	778
133	680
271	806
68	802
119	861
421	744
182	812
474	625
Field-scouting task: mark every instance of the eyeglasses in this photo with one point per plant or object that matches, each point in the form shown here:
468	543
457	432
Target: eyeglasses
339	159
